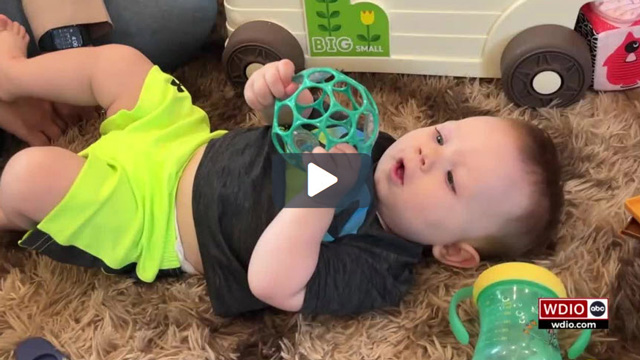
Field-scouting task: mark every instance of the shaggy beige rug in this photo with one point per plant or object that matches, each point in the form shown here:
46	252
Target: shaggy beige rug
94	316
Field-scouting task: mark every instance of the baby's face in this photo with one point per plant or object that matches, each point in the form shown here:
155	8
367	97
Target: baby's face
458	181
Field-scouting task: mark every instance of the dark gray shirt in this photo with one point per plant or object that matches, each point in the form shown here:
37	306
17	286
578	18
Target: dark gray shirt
233	204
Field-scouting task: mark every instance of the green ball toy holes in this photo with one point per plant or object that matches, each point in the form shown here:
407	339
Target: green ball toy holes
340	110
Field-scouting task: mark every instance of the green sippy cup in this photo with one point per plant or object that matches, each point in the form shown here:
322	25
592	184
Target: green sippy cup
507	297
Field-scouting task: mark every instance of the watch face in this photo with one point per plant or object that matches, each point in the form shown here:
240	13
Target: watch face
68	37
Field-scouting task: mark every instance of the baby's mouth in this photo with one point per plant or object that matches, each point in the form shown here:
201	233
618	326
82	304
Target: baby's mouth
397	171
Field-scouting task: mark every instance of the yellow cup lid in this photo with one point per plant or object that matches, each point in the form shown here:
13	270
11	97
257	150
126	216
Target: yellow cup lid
518	271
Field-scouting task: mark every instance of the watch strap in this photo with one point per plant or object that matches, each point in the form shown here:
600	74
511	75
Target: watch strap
47	40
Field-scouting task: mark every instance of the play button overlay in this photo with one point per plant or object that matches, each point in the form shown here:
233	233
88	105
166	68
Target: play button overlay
318	180
322	180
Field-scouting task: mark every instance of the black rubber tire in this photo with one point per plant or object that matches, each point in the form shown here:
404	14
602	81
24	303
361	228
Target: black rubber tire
546	48
259	42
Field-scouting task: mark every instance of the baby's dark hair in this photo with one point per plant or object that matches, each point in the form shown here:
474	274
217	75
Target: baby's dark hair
535	229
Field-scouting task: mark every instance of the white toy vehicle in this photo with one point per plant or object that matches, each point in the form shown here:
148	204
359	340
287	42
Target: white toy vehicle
530	44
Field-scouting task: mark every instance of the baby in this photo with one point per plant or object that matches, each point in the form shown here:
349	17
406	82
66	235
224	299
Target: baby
160	194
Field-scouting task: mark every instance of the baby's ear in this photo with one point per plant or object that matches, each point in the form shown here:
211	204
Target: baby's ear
460	255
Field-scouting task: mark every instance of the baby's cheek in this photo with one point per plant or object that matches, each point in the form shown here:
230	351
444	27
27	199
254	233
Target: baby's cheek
404	215
419	211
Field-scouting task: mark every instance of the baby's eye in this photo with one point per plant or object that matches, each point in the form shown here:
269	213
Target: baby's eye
439	138
451	182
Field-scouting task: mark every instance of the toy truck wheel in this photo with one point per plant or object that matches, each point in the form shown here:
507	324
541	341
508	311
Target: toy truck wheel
546	65
255	44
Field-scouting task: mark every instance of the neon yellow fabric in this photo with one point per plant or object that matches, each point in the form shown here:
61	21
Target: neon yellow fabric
121	207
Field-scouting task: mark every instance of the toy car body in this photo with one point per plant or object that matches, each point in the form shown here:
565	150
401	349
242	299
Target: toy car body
531	44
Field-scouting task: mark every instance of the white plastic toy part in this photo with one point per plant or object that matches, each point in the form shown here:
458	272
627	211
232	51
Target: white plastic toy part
464	38
431	37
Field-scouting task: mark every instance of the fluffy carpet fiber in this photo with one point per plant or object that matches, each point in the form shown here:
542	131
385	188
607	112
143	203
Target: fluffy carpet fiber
94	316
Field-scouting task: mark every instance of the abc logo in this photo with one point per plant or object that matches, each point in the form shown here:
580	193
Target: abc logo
597	308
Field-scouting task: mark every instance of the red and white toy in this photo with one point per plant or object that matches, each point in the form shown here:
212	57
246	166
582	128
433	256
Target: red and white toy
613	30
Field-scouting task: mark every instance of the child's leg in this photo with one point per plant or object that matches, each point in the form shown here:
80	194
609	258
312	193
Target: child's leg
110	76
33	182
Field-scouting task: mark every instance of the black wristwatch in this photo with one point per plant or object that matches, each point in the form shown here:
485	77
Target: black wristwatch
65	37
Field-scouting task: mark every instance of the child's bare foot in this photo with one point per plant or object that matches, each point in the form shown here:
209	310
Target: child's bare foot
13	46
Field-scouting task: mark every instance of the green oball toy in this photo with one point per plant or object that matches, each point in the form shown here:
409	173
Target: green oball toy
341	111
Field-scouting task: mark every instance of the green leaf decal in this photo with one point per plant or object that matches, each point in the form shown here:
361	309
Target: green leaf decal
323	27
336	27
321	14
334	14
375	37
362	38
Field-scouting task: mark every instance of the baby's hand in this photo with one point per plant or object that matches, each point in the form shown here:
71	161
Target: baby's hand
272	81
347	166
341	148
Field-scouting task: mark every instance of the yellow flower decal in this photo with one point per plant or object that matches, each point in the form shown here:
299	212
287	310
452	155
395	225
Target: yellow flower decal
367	17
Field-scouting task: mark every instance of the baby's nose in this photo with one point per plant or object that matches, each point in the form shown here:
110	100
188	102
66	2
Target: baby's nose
425	160
421	157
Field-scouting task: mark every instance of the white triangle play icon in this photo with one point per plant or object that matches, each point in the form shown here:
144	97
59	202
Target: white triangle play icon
318	179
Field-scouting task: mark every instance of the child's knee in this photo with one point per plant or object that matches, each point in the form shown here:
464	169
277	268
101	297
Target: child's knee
36	179
21	174
118	77
114	54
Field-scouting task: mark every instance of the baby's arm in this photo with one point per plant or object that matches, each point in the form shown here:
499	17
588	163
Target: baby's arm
286	256
110	76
